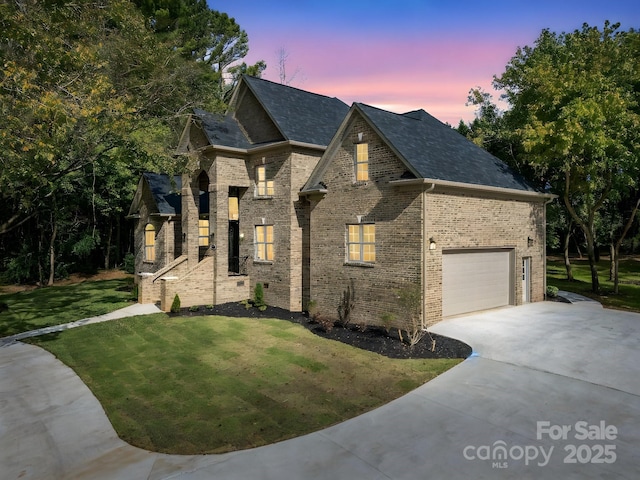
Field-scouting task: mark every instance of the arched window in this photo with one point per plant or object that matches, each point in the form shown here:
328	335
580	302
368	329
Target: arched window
149	243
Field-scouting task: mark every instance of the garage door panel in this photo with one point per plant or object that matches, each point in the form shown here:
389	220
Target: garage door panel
474	281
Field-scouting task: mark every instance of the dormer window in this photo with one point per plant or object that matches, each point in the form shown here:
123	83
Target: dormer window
264	187
362	162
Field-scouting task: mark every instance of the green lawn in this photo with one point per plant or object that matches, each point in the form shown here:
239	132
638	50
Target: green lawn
55	305
629	297
215	384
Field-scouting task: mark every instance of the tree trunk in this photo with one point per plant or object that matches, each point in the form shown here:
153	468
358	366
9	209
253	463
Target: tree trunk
575	240
611	257
107	253
615	263
593	264
40	266
625	230
52	251
567	261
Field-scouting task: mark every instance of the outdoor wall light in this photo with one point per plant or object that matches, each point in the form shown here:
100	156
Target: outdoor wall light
432	244
184	237
242	236
529	242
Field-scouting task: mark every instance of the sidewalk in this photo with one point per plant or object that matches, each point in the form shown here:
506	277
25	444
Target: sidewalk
570	297
130	311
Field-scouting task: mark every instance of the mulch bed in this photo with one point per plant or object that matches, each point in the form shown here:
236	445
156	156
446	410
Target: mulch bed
373	339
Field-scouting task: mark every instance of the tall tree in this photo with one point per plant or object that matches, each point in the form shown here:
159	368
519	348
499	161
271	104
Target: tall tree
89	100
208	36
574	105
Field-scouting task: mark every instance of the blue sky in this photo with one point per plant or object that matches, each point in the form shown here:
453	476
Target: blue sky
407	54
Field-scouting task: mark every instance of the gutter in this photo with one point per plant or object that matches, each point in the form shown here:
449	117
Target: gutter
262	148
425	252
446	184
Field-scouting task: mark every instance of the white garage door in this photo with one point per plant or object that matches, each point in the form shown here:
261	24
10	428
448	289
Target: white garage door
475	280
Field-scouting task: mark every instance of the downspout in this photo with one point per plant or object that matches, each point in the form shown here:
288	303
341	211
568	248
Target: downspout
425	253
544	253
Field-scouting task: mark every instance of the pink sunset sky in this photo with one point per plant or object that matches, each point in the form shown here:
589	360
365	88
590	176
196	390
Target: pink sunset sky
407	54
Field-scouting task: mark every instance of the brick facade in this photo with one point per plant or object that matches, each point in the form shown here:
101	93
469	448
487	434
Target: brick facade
405	218
310	227
397	218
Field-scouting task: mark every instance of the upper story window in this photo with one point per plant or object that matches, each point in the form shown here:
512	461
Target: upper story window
203	232
264	243
362	162
361	243
264	187
149	243
234	209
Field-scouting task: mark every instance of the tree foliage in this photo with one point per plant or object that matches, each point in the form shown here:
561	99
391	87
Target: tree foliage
574	108
209	37
90	97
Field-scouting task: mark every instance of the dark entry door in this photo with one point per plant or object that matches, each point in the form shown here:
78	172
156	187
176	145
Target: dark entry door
234	246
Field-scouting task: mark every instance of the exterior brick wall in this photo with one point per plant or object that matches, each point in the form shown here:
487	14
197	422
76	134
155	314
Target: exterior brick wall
397	218
254	120
283	277
455	219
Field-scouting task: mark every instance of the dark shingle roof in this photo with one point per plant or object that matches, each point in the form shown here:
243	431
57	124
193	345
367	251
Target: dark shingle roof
301	116
165	194
222	129
436	151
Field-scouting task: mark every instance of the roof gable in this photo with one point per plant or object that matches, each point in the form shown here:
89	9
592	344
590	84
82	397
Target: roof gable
434	150
221	130
299	115
165	193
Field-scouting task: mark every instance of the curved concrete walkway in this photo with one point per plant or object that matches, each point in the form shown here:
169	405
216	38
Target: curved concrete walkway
546	362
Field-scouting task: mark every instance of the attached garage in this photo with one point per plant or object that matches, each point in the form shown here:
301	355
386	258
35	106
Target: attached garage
474	280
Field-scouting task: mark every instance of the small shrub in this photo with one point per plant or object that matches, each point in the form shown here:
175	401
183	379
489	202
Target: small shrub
326	323
552	292
388	320
312	309
129	263
410	298
194	308
362	326
258	297
347	303
175	306
209	307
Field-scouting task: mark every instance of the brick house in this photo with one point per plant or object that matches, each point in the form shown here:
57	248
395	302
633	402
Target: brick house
239	220
405	202
314	200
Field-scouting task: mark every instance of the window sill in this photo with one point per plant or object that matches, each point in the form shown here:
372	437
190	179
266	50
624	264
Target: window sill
263	262
263	197
359	264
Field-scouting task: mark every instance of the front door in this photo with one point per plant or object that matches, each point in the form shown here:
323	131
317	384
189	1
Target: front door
234	246
234	230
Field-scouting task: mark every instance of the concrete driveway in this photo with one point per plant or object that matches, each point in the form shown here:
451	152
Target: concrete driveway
551	391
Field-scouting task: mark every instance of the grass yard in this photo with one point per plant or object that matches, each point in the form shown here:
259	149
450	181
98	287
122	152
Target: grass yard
629	297
42	307
216	384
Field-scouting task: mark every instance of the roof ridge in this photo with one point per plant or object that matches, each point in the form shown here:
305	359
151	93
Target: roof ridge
251	78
